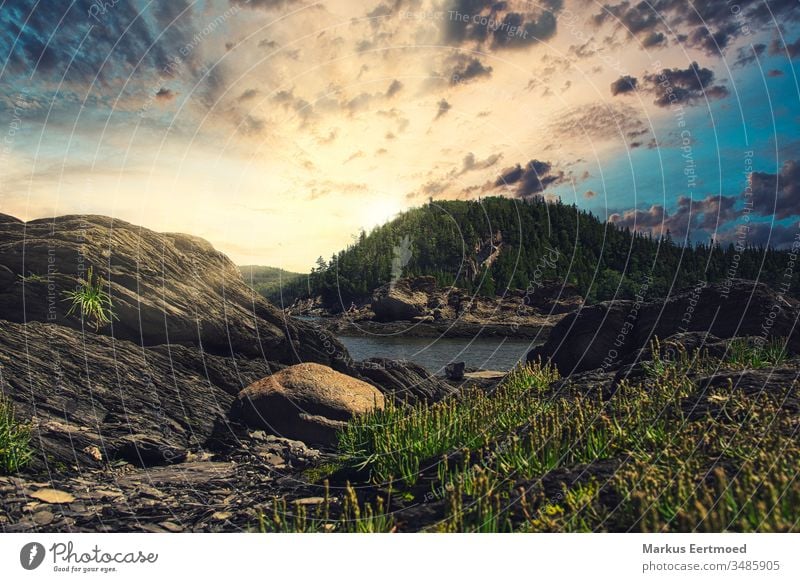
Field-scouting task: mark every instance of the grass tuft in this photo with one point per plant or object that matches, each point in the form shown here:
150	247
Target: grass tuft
15	451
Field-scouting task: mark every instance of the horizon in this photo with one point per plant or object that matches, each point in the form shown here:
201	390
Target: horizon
279	130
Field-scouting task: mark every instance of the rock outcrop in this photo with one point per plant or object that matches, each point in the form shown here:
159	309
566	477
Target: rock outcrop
306	402
606	334
92	400
403	381
404	299
165	289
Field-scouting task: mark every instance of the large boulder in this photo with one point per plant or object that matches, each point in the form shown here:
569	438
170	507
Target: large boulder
606	334
404	299
91	399
306	402
404	381
165	289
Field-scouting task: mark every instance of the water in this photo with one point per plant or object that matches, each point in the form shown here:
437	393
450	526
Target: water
434	354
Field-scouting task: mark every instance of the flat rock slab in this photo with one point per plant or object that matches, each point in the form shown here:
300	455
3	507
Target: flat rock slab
485	375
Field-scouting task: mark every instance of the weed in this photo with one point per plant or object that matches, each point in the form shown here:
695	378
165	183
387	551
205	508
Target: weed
91	300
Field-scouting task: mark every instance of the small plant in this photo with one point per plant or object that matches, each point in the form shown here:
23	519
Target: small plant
31	278
92	300
15	438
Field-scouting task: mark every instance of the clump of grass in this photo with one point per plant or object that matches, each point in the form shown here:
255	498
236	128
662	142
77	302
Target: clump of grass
758	354
15	451
91	300
394	441
347	515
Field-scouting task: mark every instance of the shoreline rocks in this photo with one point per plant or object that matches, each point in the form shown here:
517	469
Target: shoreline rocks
608	333
305	402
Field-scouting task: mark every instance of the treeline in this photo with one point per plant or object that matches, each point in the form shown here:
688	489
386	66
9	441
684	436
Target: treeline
449	240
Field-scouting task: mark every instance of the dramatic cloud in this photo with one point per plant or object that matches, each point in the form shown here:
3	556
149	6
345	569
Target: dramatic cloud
777	194
708	214
84	41
624	84
511	24
683	86
708	25
529	180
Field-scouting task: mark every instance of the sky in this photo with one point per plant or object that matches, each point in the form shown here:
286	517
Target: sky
278	129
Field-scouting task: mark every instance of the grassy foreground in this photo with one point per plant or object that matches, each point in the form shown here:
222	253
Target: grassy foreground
661	454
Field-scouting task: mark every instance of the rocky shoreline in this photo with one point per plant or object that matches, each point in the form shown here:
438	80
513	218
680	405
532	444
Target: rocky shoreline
247	406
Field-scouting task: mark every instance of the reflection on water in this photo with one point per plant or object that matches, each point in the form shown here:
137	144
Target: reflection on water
434	354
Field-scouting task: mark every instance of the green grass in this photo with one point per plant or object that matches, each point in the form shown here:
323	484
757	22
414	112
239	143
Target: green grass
15	437
537	456
91	301
348	515
754	355
393	442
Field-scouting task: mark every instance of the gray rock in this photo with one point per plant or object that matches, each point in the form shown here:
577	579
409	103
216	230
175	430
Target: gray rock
404	382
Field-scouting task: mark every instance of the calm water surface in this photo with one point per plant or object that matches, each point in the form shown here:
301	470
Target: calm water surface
434	354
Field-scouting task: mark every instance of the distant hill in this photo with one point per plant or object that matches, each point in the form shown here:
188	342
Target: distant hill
497	243
267	281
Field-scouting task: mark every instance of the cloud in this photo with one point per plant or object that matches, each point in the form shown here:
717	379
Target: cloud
302	108
472	164
74	41
761	234
394	88
776	47
683	86
624	84
778	194
248	94
708	214
707	25
747	55
589	194
466	69
165	95
653	38
264	4
500	25
600	121
444	107
529	180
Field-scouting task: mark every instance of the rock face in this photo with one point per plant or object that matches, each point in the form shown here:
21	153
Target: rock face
605	334
306	402
404	382
165	288
553	297
93	400
403	300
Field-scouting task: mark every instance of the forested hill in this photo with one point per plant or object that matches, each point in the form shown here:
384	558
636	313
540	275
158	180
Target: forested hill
498	243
